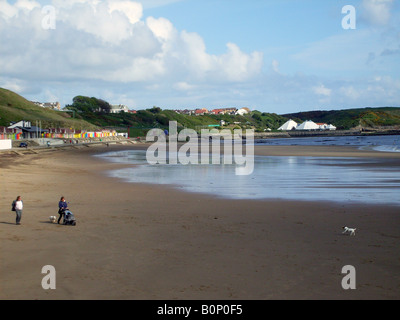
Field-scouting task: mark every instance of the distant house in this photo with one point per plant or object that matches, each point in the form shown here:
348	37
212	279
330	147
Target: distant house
288	125
122	134
331	127
48	105
243	111
225	111
28	131
52	105
200	112
119	108
186	111
325	126
217	111
20	124
230	110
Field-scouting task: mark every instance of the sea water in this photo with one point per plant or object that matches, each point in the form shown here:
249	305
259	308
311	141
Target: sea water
388	143
347	180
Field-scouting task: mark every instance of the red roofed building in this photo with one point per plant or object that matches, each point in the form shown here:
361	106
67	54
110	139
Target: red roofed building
217	111
200	112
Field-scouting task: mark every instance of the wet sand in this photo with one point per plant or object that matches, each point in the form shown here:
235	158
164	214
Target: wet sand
152	242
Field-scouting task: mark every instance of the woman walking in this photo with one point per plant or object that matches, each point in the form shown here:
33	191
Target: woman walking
19	205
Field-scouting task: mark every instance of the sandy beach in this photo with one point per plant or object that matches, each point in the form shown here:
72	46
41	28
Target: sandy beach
149	242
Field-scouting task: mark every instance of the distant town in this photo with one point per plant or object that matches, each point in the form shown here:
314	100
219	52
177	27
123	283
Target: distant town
123	108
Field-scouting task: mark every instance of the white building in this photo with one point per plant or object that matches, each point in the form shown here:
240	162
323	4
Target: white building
243	111
20	124
119	108
331	127
322	126
288	125
48	105
325	126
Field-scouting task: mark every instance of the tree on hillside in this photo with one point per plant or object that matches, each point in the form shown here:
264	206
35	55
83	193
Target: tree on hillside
155	110
86	104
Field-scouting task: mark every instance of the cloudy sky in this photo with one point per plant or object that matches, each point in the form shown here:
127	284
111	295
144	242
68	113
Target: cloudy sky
271	55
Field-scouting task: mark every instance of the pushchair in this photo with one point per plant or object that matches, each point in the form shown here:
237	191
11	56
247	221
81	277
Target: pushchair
69	218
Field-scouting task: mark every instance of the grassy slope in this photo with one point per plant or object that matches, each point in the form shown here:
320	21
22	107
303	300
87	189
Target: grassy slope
14	108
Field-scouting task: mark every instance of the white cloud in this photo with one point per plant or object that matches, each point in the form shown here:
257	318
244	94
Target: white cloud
192	55
109	41
239	66
132	10
28	5
275	66
9	11
349	92
110	21
13	85
322	90
162	28
138	70
184	86
385	86
377	12
347	54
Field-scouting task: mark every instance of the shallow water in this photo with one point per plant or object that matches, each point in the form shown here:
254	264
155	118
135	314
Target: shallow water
386	143
294	178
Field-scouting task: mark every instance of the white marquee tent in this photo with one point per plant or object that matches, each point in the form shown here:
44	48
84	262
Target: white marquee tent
288	125
308	125
331	127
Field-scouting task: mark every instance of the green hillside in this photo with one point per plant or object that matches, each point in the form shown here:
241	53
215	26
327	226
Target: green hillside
90	113
14	108
350	118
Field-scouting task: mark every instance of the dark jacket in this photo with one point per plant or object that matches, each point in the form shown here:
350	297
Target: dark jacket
62	205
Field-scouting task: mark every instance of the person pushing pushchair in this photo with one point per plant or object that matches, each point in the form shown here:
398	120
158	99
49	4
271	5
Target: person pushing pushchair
64	212
62	207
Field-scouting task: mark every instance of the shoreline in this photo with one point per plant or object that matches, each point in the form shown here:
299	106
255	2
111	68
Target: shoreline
366	132
153	242
260	150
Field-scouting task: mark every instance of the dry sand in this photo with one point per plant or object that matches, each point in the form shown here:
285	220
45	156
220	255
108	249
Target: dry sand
151	242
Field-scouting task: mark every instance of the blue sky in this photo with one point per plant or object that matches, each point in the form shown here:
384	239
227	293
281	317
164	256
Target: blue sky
255	24
274	56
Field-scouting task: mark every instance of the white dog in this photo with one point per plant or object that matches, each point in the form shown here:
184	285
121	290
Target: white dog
352	231
52	219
